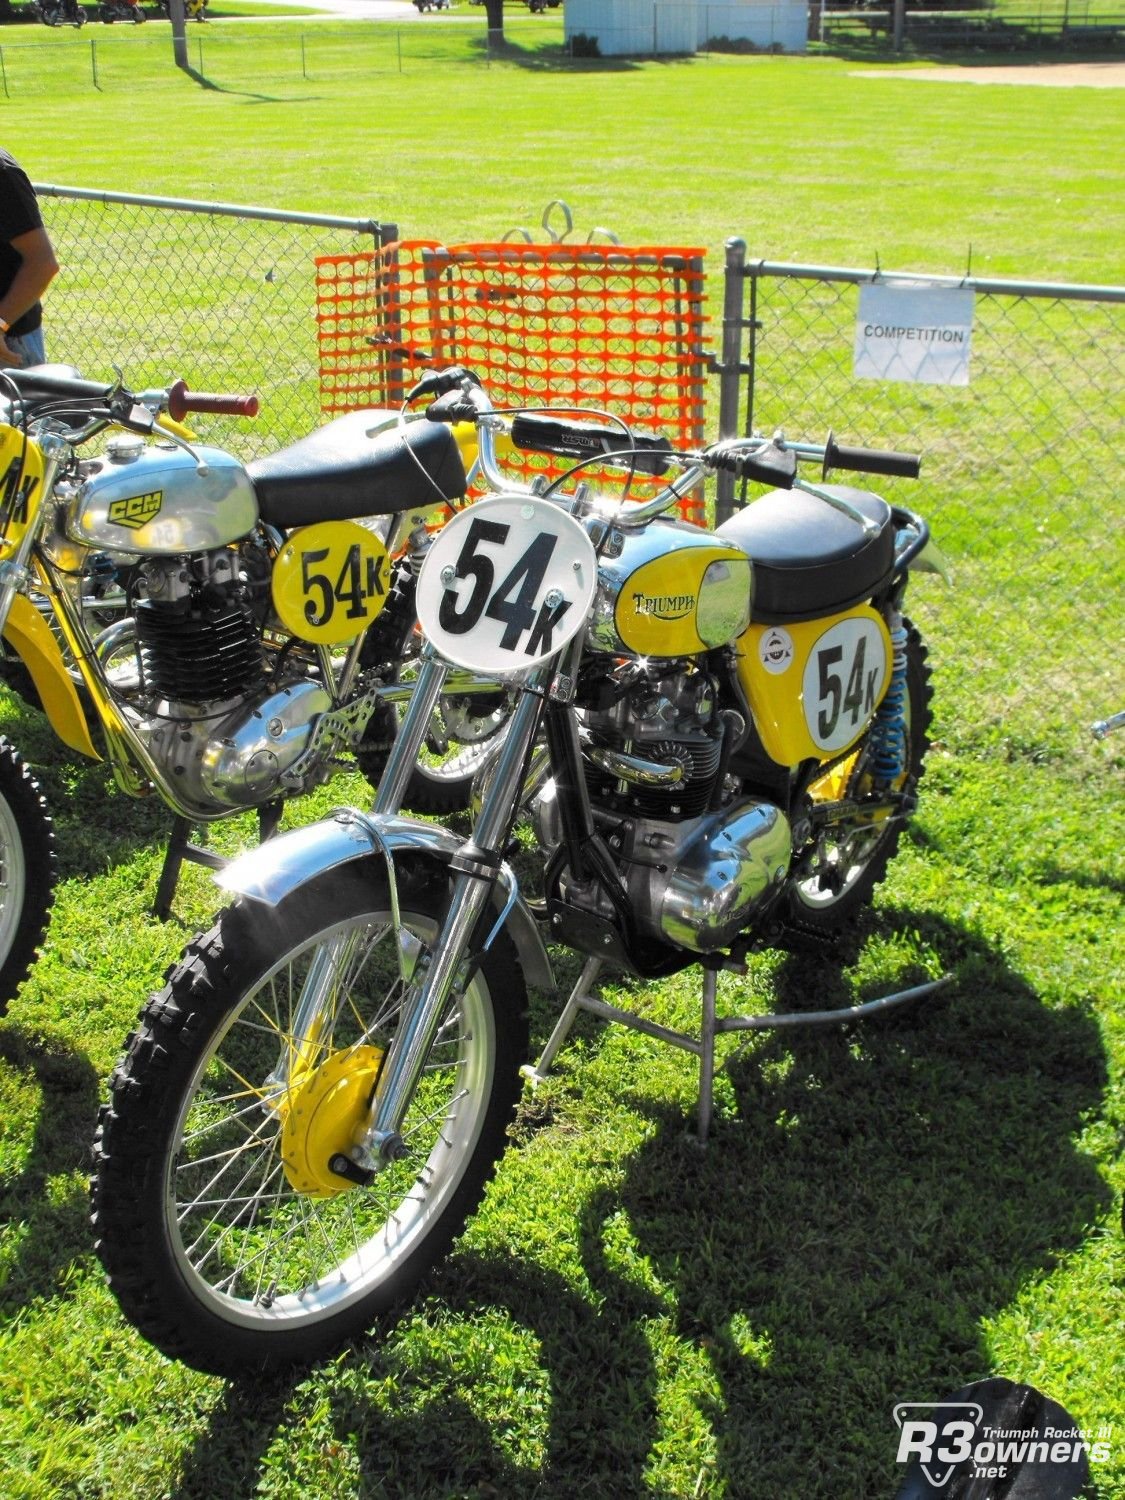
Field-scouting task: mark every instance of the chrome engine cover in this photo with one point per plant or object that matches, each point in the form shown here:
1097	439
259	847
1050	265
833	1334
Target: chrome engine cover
694	884
222	764
718	870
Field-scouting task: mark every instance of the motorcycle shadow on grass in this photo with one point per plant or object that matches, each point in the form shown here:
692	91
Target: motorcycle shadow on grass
96	824
868	1196
48	1101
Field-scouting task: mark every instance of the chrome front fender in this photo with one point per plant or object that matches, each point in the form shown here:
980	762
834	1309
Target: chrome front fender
275	869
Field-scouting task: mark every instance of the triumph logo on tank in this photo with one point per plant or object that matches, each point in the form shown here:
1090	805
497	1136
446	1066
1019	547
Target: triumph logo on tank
136	511
664	606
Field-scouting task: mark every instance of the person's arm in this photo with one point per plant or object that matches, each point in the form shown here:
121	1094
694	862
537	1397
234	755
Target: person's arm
37	270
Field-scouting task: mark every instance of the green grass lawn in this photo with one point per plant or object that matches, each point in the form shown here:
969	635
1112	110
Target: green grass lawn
883	1215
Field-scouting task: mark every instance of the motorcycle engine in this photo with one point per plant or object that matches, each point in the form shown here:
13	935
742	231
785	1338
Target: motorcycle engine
652	736
696	859
223	714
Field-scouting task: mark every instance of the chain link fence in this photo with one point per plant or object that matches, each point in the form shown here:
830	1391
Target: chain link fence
1021	466
1020	474
220	295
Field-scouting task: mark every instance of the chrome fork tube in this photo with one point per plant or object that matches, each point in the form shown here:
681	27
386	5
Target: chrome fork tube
475	870
412	732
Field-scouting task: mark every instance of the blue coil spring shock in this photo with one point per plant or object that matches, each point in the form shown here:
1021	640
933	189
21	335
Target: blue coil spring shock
888	729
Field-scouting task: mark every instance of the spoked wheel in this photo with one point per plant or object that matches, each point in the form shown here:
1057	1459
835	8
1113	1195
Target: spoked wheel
849	857
228	1240
27	871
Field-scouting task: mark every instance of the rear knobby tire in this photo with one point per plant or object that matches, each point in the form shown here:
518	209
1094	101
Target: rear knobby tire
839	874
212	1251
27	871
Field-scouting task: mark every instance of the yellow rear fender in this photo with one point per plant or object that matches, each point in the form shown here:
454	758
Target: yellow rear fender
29	636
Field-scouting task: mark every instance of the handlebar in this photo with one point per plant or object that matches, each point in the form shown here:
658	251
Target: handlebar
870	460
61	387
647	452
459	396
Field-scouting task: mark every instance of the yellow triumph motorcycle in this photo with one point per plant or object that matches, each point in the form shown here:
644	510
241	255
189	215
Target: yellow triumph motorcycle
717	737
218	633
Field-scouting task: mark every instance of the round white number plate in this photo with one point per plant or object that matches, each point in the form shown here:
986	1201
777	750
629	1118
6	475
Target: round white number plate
506	584
844	678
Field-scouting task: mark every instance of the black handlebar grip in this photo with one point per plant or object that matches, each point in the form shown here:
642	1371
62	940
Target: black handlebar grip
647	452
439	382
43	383
455	406
870	460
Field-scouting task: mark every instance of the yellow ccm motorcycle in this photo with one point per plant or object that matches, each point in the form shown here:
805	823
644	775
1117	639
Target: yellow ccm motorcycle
220	634
717	737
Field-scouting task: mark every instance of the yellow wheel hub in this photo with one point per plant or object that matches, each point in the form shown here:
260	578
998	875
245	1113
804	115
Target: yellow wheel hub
322	1113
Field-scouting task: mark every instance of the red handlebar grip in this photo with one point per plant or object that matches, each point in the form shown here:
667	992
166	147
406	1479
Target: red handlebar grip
181	401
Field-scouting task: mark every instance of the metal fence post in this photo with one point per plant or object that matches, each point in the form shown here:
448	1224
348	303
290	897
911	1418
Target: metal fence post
730	365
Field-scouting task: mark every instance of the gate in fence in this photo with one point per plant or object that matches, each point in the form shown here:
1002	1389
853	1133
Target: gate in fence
605	327
221	294
1021	465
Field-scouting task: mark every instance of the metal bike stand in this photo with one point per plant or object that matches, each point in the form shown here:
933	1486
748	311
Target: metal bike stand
712	1026
180	847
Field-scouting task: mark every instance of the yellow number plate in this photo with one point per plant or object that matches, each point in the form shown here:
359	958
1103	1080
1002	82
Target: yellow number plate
21	473
330	581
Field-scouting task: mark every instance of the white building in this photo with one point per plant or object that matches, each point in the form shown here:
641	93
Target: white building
649	27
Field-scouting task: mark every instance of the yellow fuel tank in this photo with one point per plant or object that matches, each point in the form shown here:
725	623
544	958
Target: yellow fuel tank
672	589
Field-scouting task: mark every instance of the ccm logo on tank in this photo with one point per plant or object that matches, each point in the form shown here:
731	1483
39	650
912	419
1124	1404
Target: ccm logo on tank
136	510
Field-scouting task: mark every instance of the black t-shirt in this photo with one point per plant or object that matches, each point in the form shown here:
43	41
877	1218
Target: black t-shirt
19	212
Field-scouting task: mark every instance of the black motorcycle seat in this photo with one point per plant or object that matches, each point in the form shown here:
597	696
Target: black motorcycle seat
809	558
339	472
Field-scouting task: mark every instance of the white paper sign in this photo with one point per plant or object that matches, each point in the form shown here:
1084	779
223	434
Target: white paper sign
907	331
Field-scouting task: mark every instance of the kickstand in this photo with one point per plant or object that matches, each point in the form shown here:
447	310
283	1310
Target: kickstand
180	847
712	1026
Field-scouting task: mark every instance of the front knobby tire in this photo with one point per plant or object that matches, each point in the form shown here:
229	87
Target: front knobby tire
221	1252
27	871
839	873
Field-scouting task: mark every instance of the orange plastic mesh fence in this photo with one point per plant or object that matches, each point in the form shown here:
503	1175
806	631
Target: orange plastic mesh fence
581	326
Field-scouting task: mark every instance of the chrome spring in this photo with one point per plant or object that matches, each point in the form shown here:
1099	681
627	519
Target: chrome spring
888	729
